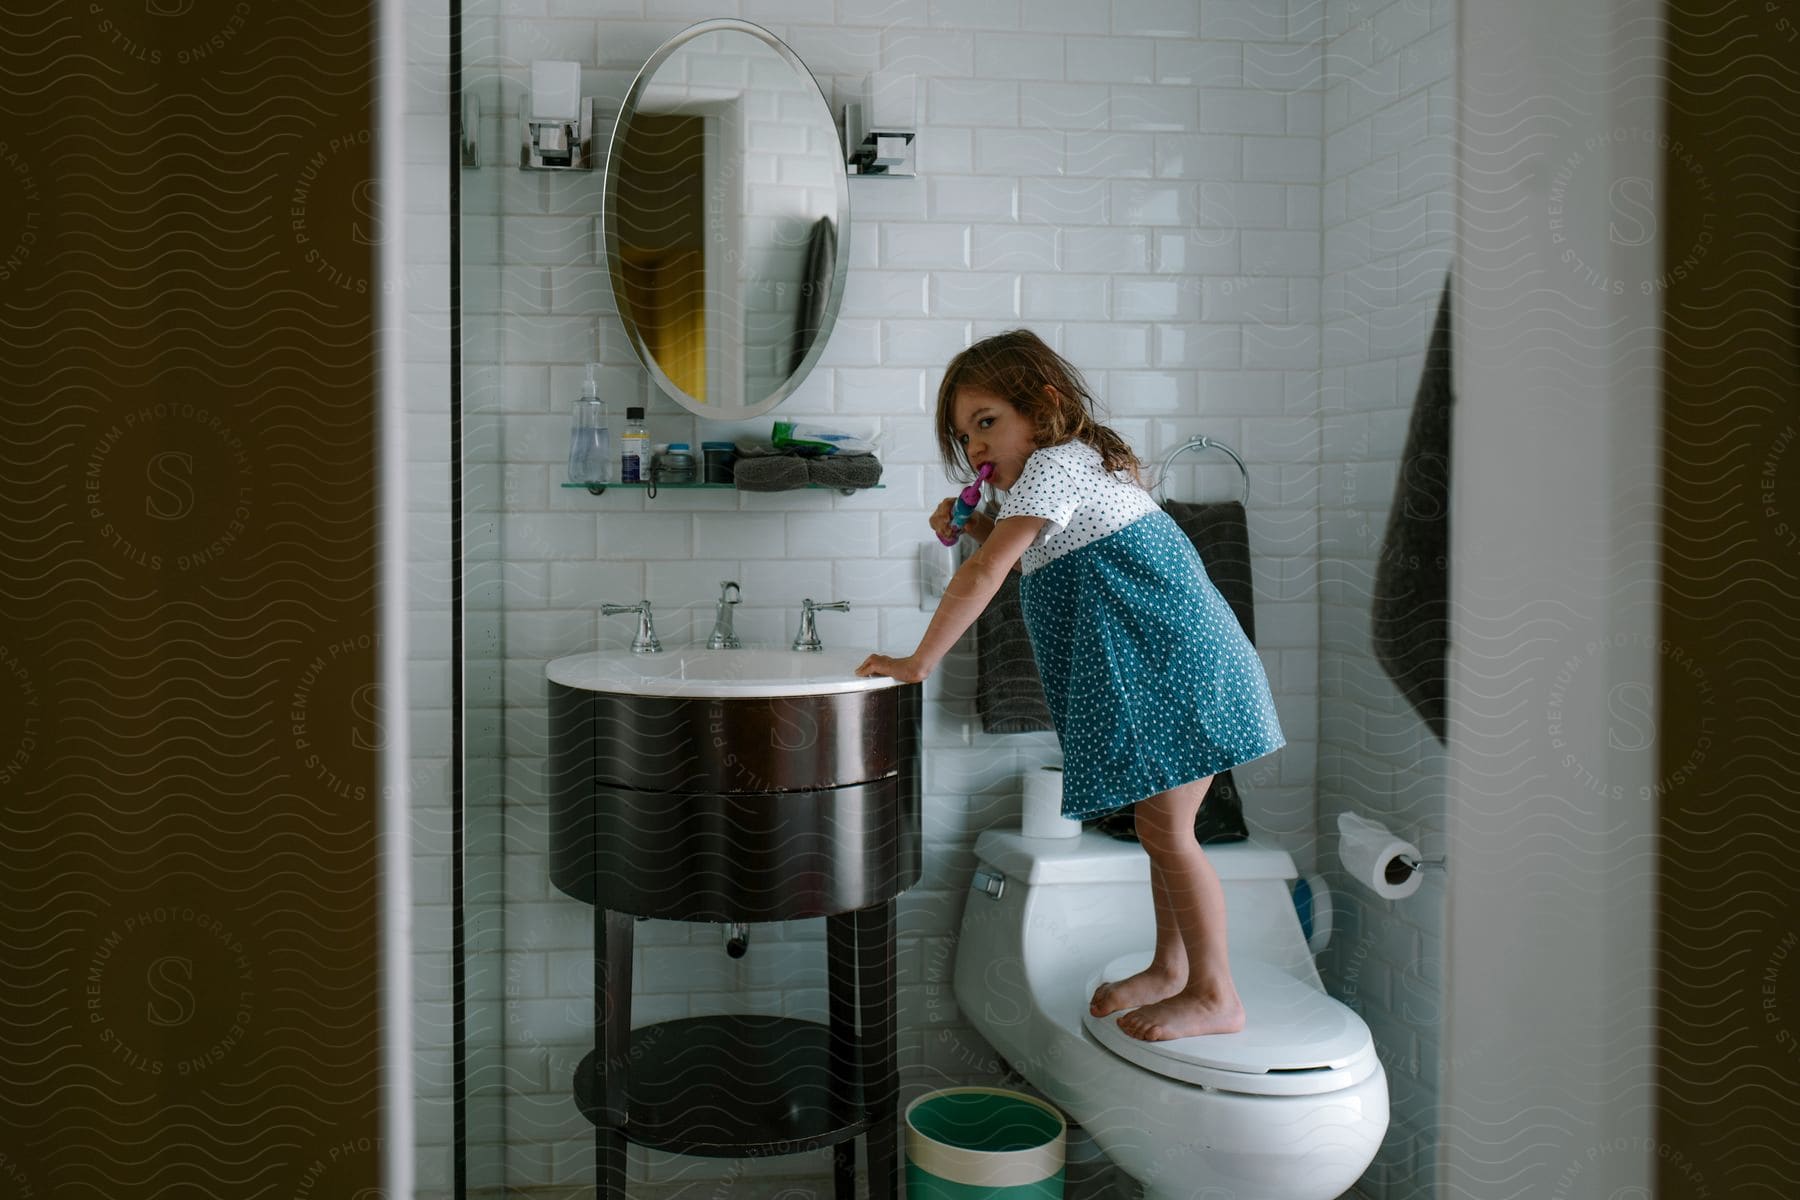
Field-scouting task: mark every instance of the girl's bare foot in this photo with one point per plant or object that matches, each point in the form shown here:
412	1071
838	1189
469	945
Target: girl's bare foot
1188	1013
1153	983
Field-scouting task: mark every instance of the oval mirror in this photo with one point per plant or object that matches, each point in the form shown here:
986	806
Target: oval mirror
726	209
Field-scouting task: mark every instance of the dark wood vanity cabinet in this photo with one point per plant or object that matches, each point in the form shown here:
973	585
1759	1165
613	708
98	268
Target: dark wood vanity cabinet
741	810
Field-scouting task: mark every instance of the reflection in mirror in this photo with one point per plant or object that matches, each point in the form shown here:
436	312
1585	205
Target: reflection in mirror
725	204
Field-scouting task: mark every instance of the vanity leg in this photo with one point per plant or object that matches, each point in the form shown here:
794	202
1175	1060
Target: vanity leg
846	1068
843	1170
876	980
609	1164
612	1043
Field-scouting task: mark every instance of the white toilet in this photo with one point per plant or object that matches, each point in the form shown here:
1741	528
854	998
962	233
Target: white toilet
1292	1108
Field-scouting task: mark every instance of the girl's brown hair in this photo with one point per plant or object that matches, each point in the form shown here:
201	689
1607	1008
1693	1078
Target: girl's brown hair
1043	385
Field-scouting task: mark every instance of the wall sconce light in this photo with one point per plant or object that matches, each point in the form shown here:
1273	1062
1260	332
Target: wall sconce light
559	128
879	131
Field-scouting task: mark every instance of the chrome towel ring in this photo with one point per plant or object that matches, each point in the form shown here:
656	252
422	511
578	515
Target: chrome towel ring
1202	443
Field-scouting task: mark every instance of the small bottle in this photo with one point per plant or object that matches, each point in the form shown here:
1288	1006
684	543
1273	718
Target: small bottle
590	442
634	447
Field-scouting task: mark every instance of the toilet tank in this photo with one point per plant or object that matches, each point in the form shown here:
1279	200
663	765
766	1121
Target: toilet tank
1089	897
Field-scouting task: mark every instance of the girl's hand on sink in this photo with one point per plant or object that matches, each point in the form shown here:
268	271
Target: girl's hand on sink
911	669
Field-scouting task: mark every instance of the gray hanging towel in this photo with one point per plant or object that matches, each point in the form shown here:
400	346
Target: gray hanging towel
1009	693
1410	622
1221	533
815	285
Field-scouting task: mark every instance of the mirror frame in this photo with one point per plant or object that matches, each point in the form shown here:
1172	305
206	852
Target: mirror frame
840	268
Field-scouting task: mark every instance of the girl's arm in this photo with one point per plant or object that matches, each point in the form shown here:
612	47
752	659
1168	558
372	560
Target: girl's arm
981	527
967	594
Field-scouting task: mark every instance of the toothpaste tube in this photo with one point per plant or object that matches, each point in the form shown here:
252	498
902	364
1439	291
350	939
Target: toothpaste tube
810	439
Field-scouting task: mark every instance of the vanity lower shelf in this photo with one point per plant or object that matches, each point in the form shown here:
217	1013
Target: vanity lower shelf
727	1086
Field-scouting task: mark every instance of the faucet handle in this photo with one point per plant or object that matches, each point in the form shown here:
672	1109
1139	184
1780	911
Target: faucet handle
645	642
808	637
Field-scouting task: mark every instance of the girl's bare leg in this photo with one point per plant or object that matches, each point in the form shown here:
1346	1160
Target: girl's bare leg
1208	1002
1168	969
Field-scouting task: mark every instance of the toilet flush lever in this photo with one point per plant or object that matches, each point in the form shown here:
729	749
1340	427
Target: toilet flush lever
991	882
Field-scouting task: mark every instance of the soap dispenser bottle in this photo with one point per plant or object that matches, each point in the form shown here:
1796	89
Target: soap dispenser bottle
590	442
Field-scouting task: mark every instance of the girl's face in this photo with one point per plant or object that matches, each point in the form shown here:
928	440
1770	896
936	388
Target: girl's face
990	429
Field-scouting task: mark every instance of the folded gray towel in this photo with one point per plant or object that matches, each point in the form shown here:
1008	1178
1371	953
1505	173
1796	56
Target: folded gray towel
844	471
1410	621
770	473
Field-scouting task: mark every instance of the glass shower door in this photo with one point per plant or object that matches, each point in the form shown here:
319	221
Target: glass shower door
479	878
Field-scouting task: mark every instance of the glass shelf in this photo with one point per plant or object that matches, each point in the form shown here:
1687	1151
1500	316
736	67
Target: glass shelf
599	488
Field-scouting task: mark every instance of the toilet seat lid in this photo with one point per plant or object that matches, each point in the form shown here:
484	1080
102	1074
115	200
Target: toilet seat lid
1296	1040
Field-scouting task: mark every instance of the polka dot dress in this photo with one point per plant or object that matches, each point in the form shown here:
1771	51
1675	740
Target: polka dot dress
1148	675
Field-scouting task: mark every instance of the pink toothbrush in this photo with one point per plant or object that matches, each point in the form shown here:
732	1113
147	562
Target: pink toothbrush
965	505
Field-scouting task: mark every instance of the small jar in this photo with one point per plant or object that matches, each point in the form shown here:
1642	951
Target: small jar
677	464
720	457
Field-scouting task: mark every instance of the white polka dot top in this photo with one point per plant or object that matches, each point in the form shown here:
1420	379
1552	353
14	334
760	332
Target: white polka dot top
1079	498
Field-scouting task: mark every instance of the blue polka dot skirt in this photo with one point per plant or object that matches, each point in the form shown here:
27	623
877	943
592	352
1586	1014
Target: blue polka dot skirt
1148	675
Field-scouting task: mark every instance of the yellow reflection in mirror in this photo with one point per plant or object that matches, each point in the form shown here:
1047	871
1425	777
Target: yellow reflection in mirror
662	242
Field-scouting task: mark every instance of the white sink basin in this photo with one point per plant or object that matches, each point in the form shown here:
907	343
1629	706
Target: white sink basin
697	672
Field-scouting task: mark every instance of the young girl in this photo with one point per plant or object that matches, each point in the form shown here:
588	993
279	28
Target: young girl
1152	684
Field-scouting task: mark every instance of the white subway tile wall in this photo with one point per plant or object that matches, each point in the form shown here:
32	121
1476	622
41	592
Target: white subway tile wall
1231	214
1386	250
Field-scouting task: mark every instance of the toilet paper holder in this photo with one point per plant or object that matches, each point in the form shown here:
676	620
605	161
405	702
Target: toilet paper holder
1379	860
1400	868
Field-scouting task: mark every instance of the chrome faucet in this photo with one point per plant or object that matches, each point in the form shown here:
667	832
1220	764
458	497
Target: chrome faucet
808	637
645	642
722	637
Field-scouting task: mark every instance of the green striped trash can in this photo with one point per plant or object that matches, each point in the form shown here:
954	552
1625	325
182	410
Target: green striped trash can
977	1143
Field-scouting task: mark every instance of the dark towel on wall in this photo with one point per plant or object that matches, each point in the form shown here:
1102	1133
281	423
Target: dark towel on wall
1410	623
1221	533
1009	694
821	261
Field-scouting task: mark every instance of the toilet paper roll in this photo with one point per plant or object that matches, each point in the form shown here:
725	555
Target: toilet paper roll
1371	854
1040	813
